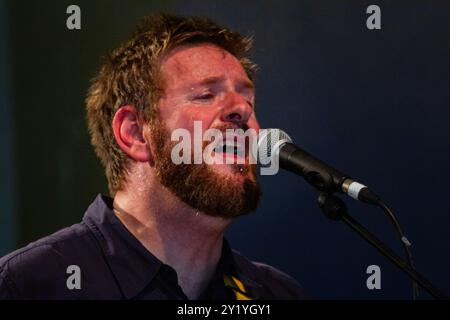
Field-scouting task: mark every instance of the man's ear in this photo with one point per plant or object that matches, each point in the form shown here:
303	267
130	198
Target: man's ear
129	133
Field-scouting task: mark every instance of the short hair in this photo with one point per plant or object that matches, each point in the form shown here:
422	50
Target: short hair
129	76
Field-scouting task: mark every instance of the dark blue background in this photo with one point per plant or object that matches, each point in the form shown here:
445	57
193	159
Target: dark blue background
372	103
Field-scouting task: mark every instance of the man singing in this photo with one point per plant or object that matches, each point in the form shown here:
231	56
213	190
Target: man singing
161	235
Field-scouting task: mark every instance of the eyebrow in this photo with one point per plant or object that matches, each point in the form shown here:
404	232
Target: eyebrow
247	84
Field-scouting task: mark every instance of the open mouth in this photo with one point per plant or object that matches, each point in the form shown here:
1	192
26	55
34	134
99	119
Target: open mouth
231	146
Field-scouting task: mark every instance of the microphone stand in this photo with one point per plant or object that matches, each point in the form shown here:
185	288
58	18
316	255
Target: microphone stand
335	209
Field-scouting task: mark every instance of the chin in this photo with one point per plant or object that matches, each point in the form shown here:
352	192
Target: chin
234	171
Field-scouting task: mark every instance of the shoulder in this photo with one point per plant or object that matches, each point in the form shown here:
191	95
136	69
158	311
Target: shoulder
42	265
63	241
274	283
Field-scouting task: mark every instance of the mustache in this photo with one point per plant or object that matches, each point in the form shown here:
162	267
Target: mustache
228	126
167	141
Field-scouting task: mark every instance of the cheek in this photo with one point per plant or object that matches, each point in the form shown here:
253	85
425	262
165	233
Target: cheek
186	118
254	124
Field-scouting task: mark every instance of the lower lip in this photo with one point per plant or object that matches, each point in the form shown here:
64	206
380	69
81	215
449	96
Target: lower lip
234	156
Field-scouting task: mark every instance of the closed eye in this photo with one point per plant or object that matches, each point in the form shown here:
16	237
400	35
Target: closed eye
205	97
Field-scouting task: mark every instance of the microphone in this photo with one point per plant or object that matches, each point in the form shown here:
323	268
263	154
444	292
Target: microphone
275	147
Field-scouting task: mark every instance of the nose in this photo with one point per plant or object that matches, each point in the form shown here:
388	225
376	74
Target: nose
237	109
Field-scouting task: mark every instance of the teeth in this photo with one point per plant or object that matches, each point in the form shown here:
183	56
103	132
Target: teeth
232	146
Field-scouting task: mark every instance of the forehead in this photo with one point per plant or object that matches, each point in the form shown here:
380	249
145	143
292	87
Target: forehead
196	62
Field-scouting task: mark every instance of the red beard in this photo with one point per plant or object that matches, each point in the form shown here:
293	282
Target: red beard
199	186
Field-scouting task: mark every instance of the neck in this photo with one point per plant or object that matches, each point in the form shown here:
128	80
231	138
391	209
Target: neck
178	235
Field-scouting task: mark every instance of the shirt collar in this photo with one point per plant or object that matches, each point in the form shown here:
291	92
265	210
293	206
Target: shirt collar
231	264
133	266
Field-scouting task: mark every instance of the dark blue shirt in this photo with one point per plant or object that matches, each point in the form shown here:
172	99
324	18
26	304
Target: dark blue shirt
113	264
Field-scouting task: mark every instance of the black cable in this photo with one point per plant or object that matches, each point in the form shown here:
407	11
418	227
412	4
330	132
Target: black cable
405	242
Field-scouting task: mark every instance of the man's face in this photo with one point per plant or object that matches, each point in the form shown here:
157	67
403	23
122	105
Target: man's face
206	83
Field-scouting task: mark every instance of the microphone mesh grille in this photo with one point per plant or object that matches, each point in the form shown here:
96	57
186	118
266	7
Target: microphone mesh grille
269	140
